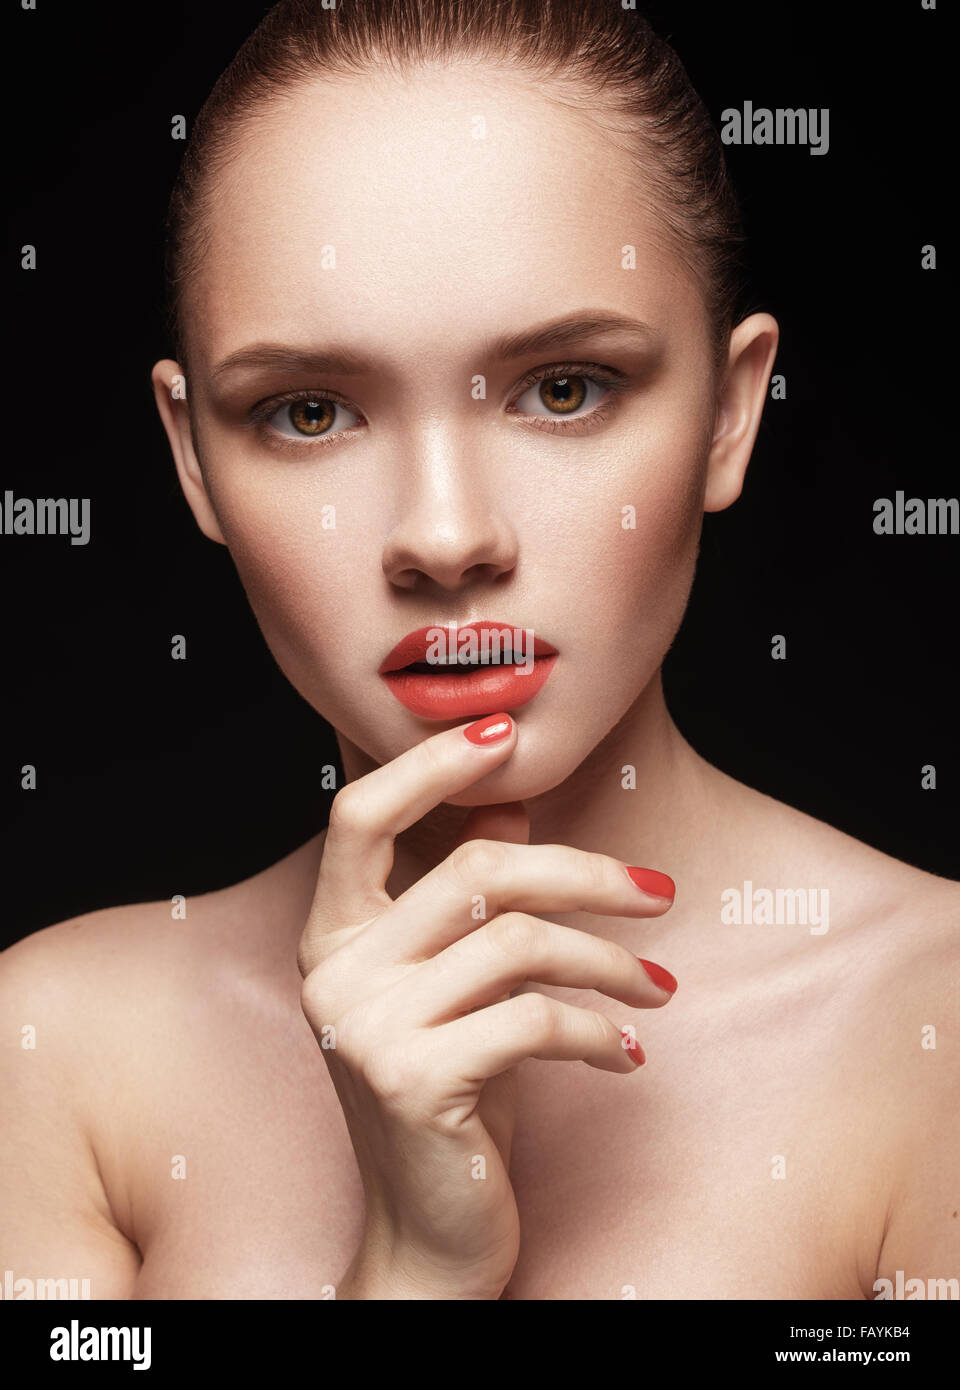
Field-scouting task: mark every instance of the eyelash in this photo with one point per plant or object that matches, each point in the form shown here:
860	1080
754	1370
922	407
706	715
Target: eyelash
613	381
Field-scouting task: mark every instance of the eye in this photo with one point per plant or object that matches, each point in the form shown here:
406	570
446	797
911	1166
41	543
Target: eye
310	417
560	395
582	394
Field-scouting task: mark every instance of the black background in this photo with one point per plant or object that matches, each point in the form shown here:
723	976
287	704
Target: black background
158	777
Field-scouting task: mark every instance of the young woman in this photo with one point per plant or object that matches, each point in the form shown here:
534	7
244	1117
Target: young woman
459	370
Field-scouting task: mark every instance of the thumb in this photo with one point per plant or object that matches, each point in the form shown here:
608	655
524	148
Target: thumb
503	820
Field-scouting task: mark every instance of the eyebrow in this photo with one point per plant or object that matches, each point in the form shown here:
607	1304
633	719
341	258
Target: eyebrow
571	328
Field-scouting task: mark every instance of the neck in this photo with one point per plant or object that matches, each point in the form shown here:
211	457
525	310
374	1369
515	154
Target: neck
643	796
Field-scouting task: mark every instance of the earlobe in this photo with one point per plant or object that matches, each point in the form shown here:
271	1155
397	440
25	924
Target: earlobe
169	389
753	347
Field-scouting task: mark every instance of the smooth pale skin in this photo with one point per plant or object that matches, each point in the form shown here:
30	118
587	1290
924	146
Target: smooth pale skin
159	1037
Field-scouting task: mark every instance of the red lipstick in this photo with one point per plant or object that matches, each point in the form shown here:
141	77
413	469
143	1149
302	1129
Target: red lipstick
448	671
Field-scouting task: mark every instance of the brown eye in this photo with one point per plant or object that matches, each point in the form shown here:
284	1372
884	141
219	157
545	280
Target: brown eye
312	417
563	394
566	395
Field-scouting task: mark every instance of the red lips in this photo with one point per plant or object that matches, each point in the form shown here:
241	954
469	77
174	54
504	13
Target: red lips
415	645
469	690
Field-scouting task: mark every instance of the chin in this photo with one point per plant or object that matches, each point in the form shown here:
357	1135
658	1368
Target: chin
519	779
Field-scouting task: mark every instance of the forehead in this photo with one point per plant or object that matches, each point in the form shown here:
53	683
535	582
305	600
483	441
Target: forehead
432	209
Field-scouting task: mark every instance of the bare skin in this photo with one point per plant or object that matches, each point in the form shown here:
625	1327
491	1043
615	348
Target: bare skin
158	1038
176	1131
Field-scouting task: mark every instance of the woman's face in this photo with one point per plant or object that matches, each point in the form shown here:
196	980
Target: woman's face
423	229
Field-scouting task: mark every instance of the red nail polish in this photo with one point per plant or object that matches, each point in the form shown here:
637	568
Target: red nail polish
653	882
632	1048
658	975
489	730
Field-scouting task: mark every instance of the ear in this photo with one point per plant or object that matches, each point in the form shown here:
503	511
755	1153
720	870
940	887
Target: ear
753	346
170	389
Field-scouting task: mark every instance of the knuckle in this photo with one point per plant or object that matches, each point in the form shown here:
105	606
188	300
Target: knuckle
323	990
356	1036
315	996
589	870
393	1075
349	810
434	754
600	1029
477	861
614	958
537	1013
515	934
596	870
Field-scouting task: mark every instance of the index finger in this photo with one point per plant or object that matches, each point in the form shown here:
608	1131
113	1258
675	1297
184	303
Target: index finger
367	814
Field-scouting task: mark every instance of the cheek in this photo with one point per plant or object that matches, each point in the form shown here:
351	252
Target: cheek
302	566
631	533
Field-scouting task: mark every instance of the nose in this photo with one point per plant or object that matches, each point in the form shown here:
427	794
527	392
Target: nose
453	531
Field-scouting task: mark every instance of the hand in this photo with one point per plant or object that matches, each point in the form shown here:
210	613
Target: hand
411	1003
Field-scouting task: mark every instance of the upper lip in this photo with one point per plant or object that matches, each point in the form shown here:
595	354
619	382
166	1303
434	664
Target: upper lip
414	646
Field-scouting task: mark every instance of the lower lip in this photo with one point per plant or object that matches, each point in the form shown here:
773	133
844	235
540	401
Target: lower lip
475	693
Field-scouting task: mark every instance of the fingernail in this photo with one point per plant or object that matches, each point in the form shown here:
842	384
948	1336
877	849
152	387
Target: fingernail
658	975
632	1048
489	730
653	882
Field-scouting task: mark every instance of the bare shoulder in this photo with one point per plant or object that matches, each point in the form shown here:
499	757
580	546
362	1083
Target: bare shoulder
903	909
872	941
118	984
916	1033
104	955
883	977
101	1019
